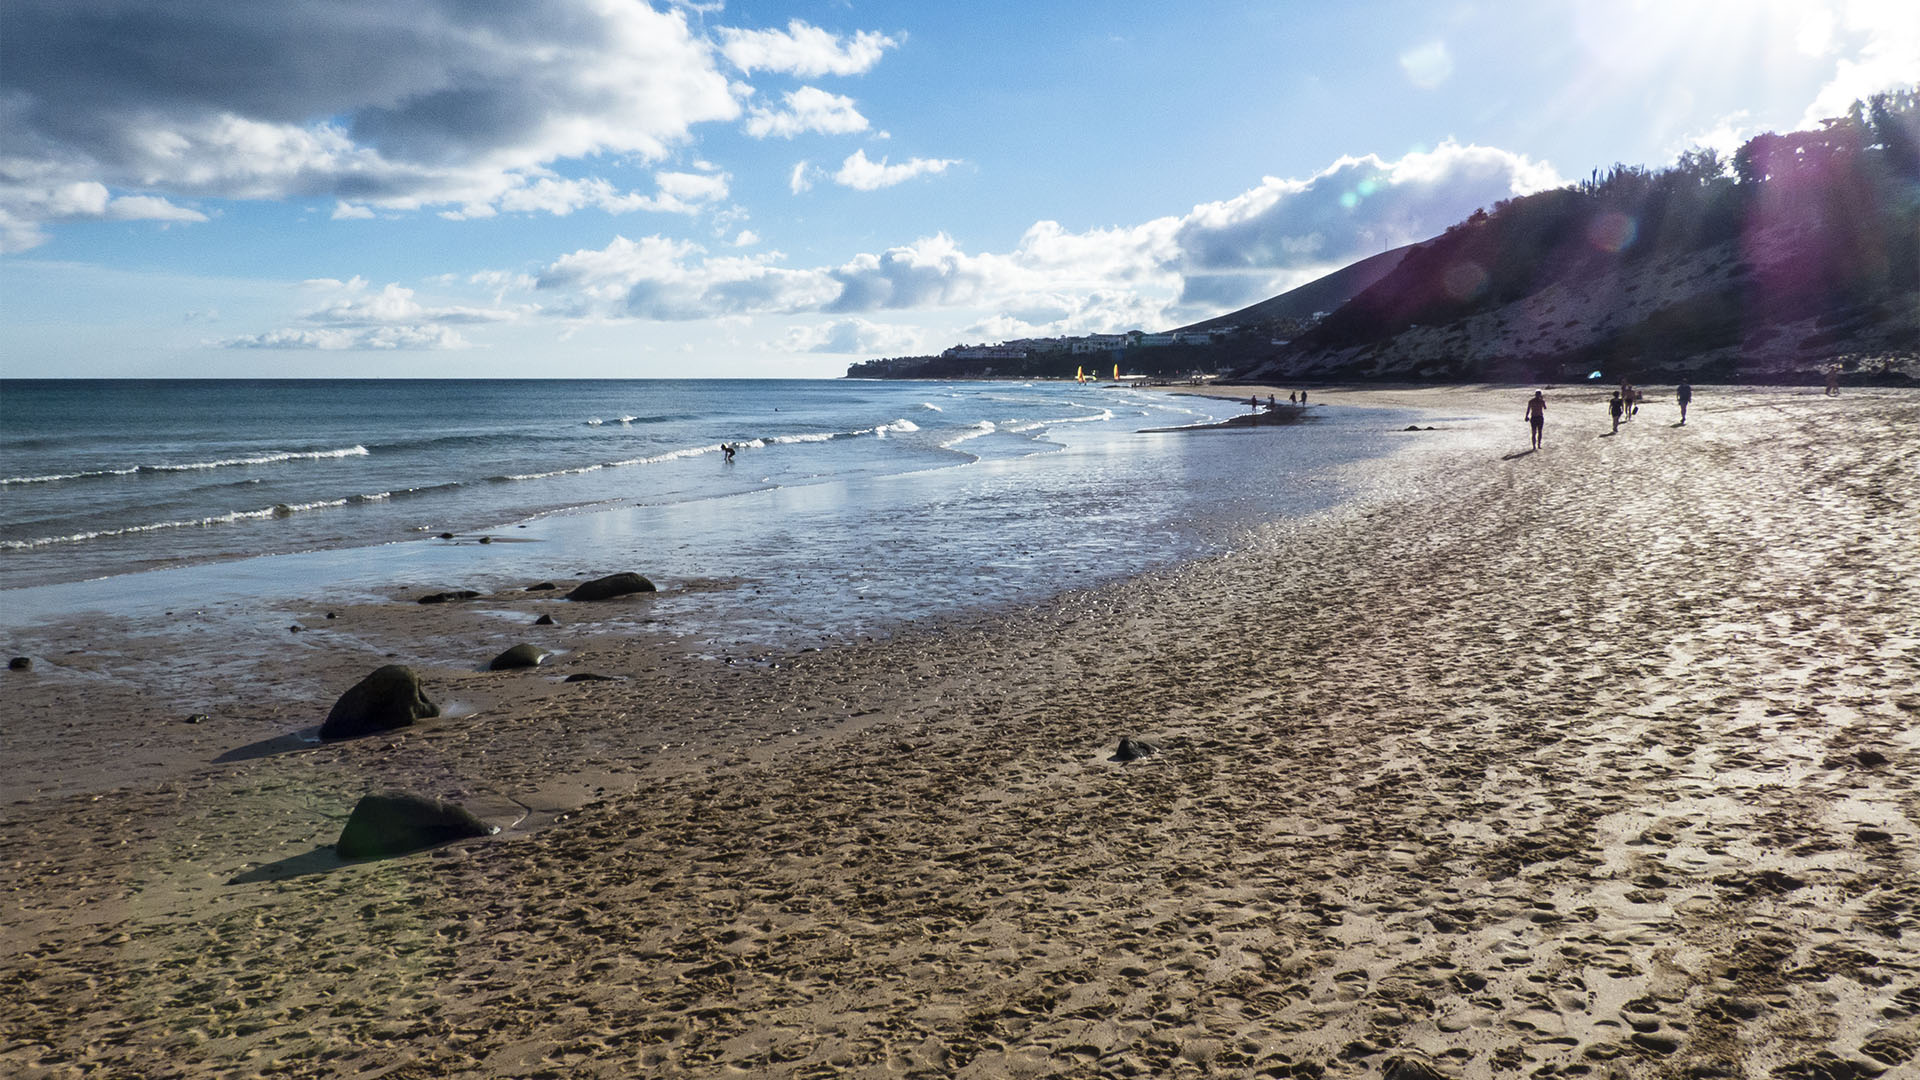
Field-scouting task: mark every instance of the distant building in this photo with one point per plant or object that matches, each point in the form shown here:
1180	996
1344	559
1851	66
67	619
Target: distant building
1098	343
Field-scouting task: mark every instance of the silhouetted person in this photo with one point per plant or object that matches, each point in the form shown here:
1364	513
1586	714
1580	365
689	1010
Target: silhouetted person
1616	406
1683	394
1833	380
1303	397
1293	398
1537	416
727	449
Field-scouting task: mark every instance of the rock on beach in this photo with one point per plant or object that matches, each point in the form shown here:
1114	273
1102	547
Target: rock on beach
395	823
520	656
606	588
389	698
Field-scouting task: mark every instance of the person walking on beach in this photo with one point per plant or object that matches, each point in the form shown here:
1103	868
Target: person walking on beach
1616	406
1683	394
1537	416
1833	380
1303	397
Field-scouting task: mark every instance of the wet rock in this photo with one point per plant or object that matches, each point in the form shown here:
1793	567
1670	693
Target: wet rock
332	615
295	628
1873	836
520	656
395	823
608	587
20	663
588	676
198	718
542	587
544	620
389	698
448	597
446	536
1134	749
486	539
1870	759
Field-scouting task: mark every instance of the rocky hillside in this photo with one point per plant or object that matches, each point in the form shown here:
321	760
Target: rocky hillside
1801	252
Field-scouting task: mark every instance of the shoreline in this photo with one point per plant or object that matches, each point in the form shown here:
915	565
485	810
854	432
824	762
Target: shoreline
1515	760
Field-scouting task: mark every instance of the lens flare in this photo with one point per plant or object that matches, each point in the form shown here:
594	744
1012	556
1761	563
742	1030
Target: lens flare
1612	231
1464	280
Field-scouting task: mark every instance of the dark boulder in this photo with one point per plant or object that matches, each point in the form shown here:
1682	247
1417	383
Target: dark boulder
544	620
389	698
1134	749
20	663
393	824
520	656
610	586
447	597
542	587
588	676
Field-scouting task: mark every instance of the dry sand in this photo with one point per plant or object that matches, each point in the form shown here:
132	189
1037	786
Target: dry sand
1597	761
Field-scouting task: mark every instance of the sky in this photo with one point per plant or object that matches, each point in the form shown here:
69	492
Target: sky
618	189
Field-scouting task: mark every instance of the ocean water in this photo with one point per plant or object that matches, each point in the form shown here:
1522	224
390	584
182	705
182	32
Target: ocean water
853	503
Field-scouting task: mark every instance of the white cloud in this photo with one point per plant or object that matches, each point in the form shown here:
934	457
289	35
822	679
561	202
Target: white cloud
801	179
379	339
1884	36
1427	66
1218	256
1287	231
25	208
353	316
670	280
803	50
851	337
346	211
859	173
1725	136
807	109
442	105
746	238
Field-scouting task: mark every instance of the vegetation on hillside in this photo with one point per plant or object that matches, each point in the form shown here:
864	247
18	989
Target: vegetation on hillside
1845	196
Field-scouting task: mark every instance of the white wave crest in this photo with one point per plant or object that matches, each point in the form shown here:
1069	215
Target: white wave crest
984	427
193	466
900	426
278	510
931	405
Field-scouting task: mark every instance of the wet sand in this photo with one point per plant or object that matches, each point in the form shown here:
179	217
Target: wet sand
1596	761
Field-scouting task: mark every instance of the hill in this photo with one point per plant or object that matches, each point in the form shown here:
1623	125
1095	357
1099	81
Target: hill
1319	295
1801	251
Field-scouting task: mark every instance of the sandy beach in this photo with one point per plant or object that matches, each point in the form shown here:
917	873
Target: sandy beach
1596	761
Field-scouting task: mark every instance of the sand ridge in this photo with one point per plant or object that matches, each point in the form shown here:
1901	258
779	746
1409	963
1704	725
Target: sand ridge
1588	762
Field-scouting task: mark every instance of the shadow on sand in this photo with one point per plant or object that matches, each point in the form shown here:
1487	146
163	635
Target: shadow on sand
320	860
304	739
1516	455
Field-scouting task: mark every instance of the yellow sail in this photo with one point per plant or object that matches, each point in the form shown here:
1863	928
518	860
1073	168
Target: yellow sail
1116	373
1080	374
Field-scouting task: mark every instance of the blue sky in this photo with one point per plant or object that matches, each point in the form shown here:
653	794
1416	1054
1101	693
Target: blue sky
607	188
